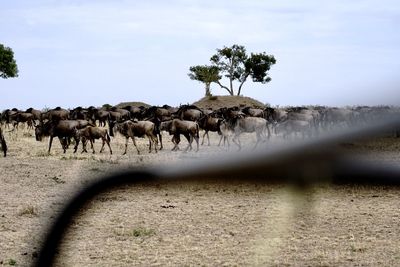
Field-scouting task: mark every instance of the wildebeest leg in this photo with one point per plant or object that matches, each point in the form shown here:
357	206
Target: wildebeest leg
150	142
134	143
84	141
258	135
205	132
220	140
237	142
269	132
126	145
51	141
76	144
176	139
91	144
160	137
108	143
3	144
153	140
189	138
197	141
104	140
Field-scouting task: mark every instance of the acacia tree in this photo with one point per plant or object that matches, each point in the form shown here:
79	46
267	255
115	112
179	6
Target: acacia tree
8	65
206	75
234	63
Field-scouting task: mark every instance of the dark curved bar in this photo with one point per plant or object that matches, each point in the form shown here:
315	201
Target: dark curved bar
302	164
56	233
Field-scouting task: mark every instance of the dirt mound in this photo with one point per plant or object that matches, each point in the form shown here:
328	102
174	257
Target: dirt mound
215	102
136	104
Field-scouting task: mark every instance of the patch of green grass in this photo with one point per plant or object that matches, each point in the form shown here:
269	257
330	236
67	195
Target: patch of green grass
142	232
12	262
139	232
28	211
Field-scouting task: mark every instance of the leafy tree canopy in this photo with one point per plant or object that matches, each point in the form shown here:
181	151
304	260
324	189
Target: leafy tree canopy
237	66
8	65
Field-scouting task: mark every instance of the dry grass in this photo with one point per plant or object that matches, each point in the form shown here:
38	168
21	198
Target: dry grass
192	224
216	102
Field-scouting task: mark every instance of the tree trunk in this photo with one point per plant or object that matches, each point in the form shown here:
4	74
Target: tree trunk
241	84
226	88
208	91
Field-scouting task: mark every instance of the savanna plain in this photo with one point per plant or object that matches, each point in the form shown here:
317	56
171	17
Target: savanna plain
191	224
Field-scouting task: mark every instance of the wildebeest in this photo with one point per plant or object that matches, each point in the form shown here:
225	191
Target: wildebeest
189	129
24	117
56	114
63	129
253	112
36	113
293	126
337	116
189	113
157	115
91	133
135	112
130	129
209	123
101	115
242	124
125	114
80	113
3	143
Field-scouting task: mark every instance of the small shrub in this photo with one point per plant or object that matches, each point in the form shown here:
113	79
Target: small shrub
142	232
212	97
28	211
12	262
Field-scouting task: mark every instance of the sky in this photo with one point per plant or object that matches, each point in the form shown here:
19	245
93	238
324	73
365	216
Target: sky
80	53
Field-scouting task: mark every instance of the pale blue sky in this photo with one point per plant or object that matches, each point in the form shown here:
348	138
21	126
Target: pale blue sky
81	53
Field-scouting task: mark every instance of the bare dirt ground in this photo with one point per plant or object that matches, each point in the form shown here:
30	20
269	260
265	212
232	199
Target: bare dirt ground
207	224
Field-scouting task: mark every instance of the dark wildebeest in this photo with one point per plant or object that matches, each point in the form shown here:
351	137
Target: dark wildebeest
189	129
63	129
91	133
24	117
130	129
189	113
242	124
80	113
135	112
36	113
9	116
56	114
253	112
3	143
209	123
101	115
157	115
125	114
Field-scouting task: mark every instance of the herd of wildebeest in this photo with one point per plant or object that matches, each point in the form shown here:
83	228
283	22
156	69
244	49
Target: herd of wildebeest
88	124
